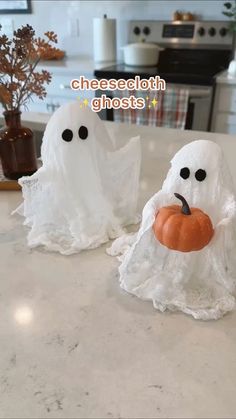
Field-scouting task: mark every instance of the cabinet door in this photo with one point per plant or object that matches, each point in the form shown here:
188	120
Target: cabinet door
225	123
227	99
60	86
44	106
60	92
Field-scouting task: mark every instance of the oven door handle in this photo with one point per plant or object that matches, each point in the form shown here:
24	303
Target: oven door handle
199	93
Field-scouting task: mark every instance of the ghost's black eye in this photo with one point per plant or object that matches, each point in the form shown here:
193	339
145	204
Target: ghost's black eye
185	173
67	135
83	132
200	175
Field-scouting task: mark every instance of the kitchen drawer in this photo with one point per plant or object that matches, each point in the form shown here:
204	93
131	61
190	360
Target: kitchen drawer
227	99
225	123
37	106
52	102
60	86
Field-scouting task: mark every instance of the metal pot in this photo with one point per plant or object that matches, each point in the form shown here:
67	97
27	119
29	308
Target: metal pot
141	54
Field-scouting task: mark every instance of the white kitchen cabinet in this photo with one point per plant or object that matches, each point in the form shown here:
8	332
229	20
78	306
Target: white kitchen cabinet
227	99
225	123
59	91
224	108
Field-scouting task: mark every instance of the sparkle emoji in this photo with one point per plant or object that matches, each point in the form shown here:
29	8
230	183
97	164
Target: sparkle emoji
154	102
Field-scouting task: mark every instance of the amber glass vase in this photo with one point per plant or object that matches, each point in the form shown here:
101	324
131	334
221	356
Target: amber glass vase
17	148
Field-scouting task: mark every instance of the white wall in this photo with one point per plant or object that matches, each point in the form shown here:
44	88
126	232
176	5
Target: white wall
61	16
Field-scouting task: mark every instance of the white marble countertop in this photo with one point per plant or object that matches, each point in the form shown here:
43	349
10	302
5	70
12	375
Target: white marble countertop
74	345
81	64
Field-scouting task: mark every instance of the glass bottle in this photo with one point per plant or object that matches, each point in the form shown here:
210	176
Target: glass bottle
17	148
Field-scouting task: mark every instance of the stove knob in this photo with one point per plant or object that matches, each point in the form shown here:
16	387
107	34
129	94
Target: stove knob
212	31
223	31
201	31
137	30
146	30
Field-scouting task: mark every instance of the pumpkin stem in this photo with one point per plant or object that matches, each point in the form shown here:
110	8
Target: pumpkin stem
185	206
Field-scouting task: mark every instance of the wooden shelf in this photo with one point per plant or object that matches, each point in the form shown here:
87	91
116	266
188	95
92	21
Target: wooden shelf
8	184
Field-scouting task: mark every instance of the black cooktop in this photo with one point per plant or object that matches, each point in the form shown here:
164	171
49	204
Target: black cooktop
197	67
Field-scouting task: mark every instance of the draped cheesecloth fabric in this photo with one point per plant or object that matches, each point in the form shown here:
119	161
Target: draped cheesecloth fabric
201	283
87	187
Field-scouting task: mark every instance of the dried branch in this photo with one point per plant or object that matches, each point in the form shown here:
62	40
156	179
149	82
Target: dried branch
19	58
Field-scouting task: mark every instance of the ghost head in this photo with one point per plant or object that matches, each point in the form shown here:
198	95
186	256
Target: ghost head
199	173
71	134
69	203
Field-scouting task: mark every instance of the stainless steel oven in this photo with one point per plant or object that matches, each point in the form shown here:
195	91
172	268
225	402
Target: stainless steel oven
193	54
199	106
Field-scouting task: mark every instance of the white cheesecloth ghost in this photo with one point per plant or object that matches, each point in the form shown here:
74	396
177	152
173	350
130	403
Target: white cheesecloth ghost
201	283
86	189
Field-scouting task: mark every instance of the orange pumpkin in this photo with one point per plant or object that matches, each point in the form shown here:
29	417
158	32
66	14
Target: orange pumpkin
182	228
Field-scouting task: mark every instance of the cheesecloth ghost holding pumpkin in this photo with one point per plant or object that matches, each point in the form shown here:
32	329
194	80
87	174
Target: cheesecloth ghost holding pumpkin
183	263
83	194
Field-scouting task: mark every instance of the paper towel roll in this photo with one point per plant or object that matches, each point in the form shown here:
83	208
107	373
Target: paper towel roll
104	39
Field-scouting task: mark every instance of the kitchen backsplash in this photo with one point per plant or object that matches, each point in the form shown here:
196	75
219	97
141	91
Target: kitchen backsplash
72	20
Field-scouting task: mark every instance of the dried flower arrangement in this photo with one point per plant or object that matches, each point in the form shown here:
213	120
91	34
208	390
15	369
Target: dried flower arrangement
19	57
